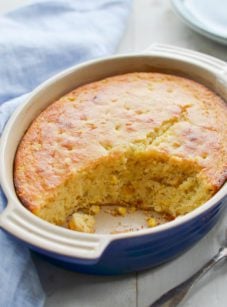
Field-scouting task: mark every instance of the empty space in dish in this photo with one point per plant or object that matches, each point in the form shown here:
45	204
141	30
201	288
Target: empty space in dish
108	222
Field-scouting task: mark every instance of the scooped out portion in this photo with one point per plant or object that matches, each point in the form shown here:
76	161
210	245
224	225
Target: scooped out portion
148	141
141	179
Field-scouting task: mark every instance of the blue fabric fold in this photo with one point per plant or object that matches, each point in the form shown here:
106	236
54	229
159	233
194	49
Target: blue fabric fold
37	41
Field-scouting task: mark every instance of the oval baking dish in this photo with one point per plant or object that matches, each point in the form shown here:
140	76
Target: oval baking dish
109	253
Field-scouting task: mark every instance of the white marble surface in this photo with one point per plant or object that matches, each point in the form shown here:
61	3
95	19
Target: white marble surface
150	21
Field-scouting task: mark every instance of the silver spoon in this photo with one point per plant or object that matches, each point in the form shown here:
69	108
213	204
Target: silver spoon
174	296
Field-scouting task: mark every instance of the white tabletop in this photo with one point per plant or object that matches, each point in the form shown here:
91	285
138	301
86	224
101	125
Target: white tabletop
150	21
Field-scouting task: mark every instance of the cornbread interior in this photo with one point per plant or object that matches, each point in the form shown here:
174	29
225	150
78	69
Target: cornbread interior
143	179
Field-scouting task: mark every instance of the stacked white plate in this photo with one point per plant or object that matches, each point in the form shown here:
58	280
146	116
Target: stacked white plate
208	17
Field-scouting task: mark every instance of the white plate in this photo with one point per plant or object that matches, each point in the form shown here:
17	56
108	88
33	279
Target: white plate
208	17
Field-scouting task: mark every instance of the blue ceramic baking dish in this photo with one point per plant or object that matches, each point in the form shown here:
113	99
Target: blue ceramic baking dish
109	253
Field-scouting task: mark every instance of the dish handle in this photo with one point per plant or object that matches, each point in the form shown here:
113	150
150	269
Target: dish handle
48	238
186	53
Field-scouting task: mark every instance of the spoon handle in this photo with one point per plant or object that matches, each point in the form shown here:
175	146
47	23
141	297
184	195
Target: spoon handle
174	296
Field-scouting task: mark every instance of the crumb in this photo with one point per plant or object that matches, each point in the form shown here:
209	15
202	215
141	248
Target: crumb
94	210
82	222
132	209
71	98
151	222
120	231
121	211
168	217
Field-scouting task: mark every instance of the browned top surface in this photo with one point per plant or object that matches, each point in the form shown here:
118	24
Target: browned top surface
180	116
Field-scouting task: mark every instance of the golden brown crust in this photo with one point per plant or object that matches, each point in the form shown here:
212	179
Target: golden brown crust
183	118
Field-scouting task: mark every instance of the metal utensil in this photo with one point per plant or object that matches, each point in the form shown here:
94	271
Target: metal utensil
174	296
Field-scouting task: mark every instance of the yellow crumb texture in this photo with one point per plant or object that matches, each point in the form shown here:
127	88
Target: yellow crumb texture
151	222
82	222
140	140
94	210
121	211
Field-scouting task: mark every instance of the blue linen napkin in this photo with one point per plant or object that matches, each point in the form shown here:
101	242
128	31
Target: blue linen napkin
36	42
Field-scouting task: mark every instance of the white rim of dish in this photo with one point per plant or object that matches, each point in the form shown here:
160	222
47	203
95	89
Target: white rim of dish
186	17
98	242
